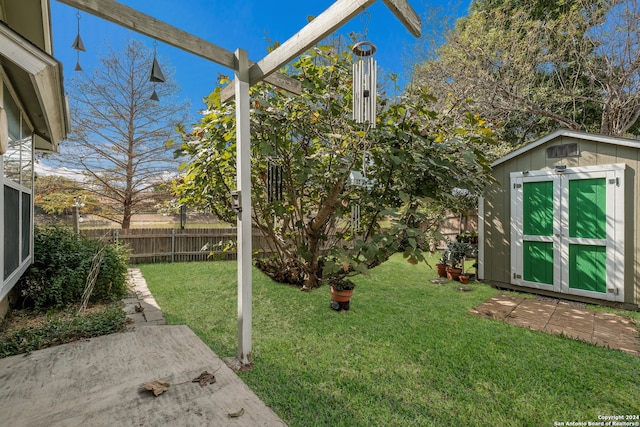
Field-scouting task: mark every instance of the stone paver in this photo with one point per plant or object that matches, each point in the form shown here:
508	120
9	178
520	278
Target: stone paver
563	318
530	314
141	308
497	307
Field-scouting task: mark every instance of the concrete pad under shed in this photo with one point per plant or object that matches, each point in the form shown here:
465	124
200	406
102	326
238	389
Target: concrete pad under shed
98	382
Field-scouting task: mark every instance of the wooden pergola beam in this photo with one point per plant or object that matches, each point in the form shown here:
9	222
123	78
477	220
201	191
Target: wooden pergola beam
405	13
139	22
334	17
337	14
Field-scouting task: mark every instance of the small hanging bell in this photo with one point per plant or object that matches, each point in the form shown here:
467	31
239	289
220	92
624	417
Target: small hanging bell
156	72
78	44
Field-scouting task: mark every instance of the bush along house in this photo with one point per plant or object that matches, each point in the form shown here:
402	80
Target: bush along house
33	116
563	219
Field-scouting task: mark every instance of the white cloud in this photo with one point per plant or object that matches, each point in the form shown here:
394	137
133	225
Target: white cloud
47	170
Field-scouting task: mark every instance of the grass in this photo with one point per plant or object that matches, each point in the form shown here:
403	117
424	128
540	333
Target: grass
26	330
407	352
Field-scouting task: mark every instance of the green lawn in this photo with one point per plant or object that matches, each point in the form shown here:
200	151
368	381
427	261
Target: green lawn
407	353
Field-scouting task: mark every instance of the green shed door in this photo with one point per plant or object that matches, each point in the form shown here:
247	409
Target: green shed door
587	234
567	231
537	222
536	251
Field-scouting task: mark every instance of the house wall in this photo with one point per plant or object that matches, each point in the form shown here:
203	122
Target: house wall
32	95
497	207
16	195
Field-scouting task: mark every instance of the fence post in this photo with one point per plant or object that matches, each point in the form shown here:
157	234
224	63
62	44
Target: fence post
173	243
116	234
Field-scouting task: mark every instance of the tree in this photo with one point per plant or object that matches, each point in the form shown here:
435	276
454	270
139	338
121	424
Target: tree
304	152
120	137
56	194
533	66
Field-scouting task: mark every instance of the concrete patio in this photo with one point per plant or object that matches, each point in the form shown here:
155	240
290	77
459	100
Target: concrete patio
99	382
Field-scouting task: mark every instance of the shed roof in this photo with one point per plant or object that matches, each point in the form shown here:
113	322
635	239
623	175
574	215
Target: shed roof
627	142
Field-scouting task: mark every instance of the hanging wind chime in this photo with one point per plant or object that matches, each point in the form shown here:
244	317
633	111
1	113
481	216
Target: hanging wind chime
364	108
78	45
358	180
364	83
274	175
156	75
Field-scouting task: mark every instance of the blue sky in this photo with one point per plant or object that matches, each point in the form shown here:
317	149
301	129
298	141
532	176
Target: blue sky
231	25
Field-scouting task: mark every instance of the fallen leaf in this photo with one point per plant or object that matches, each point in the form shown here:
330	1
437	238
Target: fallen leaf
204	379
157	387
236	414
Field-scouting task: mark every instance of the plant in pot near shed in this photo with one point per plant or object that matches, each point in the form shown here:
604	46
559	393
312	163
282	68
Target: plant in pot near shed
441	265
336	272
341	290
456	252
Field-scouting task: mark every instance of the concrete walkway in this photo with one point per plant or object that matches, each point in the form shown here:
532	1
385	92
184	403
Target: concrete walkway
141	307
99	382
563	318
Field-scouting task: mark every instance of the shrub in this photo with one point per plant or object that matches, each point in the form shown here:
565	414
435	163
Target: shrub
60	329
62	262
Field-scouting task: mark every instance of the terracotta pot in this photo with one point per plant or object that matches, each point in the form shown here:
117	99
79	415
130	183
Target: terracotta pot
464	279
453	273
442	270
341	296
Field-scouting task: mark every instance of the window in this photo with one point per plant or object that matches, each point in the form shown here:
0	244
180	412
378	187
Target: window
17	188
18	160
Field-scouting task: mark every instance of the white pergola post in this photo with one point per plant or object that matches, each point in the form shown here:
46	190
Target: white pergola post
243	179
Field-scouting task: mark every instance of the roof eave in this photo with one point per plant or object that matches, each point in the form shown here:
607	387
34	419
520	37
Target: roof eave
35	73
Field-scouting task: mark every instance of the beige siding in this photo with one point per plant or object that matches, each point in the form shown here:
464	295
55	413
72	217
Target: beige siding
497	228
497	235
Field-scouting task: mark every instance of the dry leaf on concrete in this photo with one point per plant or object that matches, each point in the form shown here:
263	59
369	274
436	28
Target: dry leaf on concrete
236	414
204	379
157	387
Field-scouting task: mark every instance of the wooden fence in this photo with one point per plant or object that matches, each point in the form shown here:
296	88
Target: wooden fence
454	224
150	245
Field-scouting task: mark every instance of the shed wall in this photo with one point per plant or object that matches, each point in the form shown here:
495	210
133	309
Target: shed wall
497	206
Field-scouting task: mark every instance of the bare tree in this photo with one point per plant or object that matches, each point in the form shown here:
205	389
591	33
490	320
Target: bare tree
531	67
120	136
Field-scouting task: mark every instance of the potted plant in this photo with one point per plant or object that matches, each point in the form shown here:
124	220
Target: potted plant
464	277
341	291
441	266
456	254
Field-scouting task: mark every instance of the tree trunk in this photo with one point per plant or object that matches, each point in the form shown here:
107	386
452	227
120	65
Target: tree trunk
126	216
313	275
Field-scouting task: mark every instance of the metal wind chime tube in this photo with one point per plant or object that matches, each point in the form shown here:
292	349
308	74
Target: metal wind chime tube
355	219
275	174
364	83
274	181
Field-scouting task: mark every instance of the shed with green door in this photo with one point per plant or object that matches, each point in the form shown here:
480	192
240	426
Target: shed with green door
563	219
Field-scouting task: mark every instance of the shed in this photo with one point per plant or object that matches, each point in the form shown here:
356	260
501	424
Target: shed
563	219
